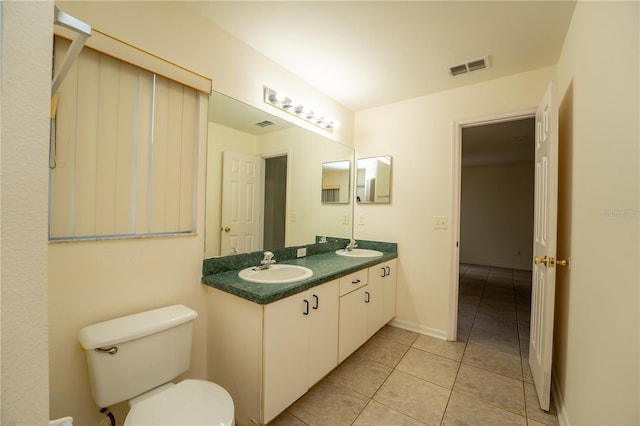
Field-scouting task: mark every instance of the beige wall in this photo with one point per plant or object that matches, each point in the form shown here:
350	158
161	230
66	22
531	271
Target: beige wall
496	218
419	134
597	325
26	83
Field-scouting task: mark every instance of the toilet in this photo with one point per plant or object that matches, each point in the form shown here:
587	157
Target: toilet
136	357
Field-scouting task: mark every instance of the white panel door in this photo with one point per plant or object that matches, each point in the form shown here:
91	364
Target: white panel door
544	245
241	203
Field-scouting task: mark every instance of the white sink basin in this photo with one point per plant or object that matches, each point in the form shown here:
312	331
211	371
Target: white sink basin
359	253
276	274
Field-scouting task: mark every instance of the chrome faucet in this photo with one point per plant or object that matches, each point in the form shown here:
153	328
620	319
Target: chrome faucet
352	244
266	262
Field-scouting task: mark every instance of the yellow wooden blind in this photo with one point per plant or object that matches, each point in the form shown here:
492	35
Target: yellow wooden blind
124	151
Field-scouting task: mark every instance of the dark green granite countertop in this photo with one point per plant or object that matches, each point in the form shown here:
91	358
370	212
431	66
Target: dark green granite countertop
326	266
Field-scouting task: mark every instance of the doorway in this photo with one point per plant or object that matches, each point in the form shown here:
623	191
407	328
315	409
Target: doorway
275	201
496	181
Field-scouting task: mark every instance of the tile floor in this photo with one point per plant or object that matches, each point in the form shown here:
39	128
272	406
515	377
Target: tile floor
403	378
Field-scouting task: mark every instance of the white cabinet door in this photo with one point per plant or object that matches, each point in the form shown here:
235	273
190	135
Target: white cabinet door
353	322
285	353
382	283
300	345
323	330
374	294
389	283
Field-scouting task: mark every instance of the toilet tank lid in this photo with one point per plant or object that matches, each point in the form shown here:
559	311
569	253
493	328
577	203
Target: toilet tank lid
131	327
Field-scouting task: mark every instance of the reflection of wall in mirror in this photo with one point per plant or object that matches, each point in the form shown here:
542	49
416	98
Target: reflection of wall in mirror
383	188
336	180
307	152
373	180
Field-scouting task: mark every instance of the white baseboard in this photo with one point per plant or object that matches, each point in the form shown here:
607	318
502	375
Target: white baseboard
417	328
563	420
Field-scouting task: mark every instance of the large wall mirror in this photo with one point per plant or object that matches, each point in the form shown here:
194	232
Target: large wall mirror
264	182
373	180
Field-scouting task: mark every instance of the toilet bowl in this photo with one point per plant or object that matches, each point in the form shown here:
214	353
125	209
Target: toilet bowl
190	402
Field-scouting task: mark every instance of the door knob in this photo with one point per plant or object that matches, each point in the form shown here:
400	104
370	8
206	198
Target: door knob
550	261
543	260
226	229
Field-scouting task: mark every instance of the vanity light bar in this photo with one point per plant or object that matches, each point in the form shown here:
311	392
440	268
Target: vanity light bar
282	102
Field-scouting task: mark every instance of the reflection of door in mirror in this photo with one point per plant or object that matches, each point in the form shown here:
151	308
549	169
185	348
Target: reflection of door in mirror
249	221
241	203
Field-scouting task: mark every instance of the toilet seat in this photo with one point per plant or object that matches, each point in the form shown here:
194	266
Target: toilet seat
190	402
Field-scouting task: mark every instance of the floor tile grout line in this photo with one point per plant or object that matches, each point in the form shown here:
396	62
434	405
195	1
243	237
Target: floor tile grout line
466	343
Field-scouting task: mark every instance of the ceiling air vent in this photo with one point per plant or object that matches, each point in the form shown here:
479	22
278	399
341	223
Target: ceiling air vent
470	66
265	123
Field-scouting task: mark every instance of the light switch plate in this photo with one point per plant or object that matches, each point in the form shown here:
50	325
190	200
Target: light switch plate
302	252
440	222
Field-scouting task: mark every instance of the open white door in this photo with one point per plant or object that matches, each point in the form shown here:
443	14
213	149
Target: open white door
241	203
544	244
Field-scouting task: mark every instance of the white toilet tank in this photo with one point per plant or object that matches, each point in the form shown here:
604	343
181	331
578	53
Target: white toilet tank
130	355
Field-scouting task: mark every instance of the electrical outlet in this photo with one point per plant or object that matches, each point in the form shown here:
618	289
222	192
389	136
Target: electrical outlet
345	219
302	252
440	222
361	219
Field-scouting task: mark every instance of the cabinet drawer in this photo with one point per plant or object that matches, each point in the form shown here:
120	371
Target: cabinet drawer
353	281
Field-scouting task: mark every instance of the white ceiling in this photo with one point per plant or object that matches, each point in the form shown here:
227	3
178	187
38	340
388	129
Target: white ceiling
369	53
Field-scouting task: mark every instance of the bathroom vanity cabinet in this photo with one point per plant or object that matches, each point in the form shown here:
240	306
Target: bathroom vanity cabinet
300	344
367	303
267	356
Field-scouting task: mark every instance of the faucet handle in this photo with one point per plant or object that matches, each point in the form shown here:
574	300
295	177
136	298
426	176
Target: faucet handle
268	255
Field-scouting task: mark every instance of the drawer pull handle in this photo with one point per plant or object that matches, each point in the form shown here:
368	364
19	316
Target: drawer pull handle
355	282
317	302
306	307
368	297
